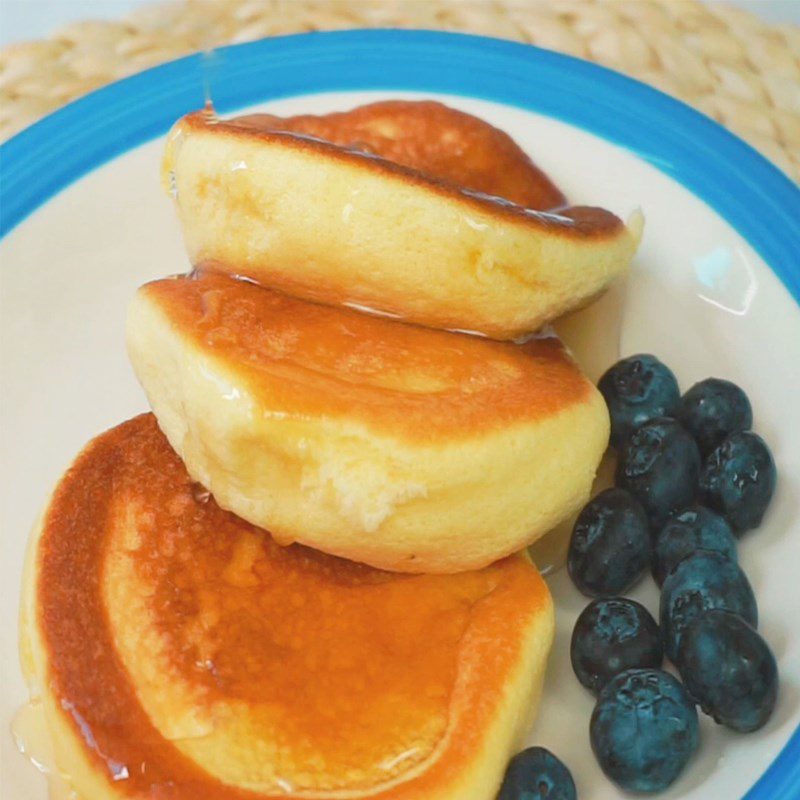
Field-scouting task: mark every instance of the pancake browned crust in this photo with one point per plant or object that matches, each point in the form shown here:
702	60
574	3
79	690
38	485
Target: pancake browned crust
265	198
180	653
395	445
431	138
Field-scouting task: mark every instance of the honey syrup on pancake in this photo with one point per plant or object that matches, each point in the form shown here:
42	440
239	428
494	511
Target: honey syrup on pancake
33	740
431	138
303	358
216	653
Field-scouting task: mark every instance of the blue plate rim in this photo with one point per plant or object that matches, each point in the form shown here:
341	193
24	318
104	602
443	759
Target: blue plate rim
758	200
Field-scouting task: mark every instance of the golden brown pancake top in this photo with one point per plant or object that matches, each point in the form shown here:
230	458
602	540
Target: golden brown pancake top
540	203
350	666
432	138
298	357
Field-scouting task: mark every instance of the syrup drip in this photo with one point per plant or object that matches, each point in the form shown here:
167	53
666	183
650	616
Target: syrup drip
33	740
208	61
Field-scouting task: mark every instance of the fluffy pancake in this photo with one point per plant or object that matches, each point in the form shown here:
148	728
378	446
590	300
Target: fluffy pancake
394	229
394	445
179	652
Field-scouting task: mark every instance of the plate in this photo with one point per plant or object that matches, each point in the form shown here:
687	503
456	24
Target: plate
714	292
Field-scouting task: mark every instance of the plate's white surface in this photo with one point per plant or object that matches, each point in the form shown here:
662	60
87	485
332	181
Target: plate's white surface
700	298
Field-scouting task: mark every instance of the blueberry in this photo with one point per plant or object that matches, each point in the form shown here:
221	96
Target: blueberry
729	670
738	480
611	636
698	584
610	545
714	409
536	774
660	464
637	389
644	729
688	532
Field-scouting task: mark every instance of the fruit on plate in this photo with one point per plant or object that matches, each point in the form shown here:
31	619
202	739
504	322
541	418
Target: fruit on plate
729	670
738	480
612	635
610	546
689	531
659	464
536	774
644	729
712	410
699	583
636	390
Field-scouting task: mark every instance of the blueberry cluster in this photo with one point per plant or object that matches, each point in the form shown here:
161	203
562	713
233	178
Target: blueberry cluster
691	478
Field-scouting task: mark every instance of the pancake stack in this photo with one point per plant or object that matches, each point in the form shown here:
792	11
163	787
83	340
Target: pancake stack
303	575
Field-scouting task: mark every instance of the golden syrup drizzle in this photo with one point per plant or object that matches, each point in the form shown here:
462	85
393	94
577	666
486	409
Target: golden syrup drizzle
33	740
208	63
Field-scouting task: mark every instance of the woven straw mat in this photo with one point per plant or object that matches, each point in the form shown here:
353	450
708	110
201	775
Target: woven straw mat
722	60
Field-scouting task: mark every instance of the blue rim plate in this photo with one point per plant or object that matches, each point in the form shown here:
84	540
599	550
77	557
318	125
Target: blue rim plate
761	203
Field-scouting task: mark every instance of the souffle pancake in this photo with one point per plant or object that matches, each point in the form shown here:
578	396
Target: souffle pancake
411	209
395	445
179	653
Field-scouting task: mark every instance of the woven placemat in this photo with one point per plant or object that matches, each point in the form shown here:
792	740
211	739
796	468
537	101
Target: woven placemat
722	60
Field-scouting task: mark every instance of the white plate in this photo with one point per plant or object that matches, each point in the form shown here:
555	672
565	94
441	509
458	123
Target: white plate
700	298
